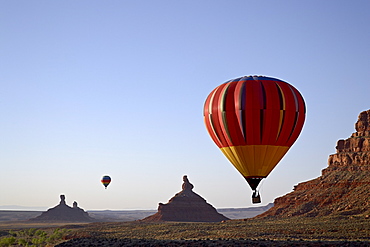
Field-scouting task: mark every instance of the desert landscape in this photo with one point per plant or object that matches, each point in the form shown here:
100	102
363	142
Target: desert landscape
296	231
331	210
184	123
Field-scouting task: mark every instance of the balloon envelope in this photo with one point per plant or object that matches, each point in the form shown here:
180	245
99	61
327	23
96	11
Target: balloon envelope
106	181
254	120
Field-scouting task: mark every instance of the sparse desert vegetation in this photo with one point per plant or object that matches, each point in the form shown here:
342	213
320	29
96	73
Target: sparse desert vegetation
341	229
33	237
298	231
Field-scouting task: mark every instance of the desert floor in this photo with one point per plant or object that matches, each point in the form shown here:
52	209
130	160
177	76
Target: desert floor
331	231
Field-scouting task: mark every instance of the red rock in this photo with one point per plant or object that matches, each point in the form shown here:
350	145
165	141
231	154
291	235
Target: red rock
344	186
186	206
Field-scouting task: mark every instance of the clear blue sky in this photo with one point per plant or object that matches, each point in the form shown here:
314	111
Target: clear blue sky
90	88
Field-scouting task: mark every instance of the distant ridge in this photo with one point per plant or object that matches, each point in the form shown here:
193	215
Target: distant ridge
242	213
131	215
22	208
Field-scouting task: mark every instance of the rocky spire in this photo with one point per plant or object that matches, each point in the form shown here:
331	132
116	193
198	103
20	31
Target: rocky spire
186	206
62	200
186	185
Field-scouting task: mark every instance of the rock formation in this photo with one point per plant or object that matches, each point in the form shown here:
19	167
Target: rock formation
186	206
63	212
344	186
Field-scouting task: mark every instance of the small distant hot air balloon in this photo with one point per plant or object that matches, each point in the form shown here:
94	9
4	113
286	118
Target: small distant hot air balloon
254	120
106	181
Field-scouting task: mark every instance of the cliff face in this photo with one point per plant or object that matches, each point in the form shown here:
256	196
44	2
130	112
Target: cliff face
63	212
344	186
186	206
353	154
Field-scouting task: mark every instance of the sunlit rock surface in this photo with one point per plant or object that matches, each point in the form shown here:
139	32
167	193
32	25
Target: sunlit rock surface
344	186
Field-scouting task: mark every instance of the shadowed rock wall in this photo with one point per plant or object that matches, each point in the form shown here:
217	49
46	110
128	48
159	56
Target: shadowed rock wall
186	206
63	212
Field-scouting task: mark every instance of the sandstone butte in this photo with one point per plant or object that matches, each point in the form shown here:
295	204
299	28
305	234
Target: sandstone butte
186	206
343	189
64	213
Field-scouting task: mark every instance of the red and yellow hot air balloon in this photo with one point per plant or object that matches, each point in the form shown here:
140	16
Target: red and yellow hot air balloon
106	181
254	120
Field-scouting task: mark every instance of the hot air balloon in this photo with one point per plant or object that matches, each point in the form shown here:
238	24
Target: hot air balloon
254	120
106	181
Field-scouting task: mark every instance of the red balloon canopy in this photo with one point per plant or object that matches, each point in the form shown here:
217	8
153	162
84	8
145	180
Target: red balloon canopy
254	120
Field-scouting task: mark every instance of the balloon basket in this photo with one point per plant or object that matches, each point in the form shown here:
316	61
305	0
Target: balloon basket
256	198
